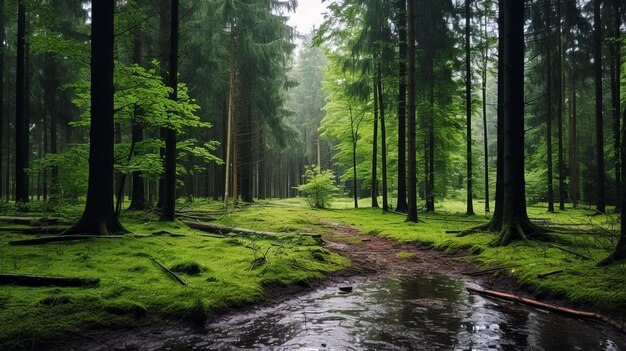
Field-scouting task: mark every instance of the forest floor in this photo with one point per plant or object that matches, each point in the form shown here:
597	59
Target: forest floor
224	271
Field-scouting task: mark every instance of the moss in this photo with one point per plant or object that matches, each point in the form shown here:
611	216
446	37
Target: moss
126	307
187	267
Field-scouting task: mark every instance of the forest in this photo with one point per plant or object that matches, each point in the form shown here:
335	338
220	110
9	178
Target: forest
206	174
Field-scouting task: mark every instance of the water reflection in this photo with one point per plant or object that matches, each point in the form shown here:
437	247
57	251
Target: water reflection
403	313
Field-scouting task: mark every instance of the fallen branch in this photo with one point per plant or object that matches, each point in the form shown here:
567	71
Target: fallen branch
572	252
489	270
34	230
36	280
225	230
545	274
170	273
29	220
549	307
49	239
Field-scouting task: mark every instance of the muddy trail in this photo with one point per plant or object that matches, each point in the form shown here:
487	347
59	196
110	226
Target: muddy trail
396	296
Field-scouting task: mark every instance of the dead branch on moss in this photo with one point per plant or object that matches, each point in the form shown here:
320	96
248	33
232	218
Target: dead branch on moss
58	238
169	272
489	270
36	280
549	307
545	274
577	254
216	229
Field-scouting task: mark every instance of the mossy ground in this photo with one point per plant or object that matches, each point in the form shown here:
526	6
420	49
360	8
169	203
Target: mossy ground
134	291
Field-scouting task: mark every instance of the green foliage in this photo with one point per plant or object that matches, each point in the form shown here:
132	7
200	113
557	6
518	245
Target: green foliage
319	186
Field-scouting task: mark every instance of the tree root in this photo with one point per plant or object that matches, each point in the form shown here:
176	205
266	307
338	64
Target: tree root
477	229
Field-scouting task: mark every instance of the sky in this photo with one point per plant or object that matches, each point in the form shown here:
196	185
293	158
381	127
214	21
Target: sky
309	13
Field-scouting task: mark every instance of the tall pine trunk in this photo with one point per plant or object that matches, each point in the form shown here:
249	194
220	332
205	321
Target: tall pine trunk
401	205
383	137
411	164
468	106
549	77
21	128
374	184
98	217
615	93
597	59
559	106
169	184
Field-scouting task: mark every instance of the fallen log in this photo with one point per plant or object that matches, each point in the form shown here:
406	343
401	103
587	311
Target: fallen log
545	274
546	306
579	255
56	238
170	273
489	270
34	230
29	220
216	229
36	280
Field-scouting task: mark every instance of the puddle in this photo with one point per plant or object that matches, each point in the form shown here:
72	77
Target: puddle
430	312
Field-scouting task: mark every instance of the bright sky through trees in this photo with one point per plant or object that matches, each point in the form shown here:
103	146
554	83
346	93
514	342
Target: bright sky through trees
309	13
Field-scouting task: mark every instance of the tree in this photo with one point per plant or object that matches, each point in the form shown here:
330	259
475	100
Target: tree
468	106
169	186
99	218
515	223
597	63
412	173
619	254
401	205
21	127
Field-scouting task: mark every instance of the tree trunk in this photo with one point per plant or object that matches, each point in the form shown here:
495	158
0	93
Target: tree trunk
2	117
620	250
354	132
615	93
383	139
169	186
430	144
138	197
21	128
98	217
597	59
412	171
559	106
374	185
401	205
484	106
515	222
573	147
549	108
468	107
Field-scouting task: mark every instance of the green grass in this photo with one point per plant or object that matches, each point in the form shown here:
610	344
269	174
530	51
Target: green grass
227	272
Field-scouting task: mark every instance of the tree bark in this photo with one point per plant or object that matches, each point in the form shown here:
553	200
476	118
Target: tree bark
98	217
559	106
484	106
401	205
549	108
515	222
412	167
383	138
138	197
169	187
468	106
21	128
619	254
615	93
374	184
597	58
2	117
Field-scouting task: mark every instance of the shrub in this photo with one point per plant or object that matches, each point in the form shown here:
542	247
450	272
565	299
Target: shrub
319	186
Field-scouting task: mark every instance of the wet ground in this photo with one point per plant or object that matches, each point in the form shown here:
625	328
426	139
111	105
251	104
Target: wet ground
395	304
